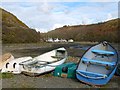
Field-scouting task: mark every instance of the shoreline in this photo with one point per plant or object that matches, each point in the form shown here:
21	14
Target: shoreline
47	80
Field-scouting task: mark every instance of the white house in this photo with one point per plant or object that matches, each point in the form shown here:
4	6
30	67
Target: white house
50	40
63	40
70	40
56	40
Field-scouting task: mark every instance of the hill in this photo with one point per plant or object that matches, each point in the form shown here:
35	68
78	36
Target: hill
94	32
15	31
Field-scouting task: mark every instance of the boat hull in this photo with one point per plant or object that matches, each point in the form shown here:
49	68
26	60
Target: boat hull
118	70
98	64
44	69
45	62
14	69
4	59
95	81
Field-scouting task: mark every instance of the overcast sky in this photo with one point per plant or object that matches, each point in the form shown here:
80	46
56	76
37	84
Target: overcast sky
45	16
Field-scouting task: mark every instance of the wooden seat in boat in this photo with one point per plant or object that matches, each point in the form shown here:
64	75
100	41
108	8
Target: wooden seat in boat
92	75
99	61
57	56
103	52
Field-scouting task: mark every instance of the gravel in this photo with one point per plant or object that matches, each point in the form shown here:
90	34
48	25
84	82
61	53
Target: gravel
48	81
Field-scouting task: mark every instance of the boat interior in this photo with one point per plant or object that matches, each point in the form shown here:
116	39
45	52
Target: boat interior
59	55
100	61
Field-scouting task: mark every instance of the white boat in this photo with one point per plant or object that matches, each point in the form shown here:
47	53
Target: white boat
5	58
45	62
13	65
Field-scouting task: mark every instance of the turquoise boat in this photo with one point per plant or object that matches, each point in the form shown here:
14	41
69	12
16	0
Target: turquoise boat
66	70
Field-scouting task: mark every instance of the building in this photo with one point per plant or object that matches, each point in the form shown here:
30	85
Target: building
70	40
56	40
50	40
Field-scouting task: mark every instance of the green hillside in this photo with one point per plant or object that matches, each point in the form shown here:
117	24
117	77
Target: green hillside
15	31
94	32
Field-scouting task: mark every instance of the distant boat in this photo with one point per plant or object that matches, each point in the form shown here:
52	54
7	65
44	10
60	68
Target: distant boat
13	65
98	64
45	62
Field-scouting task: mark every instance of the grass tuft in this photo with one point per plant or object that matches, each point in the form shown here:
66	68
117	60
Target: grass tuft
6	75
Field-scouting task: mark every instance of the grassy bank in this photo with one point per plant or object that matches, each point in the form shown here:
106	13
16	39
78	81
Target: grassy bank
6	75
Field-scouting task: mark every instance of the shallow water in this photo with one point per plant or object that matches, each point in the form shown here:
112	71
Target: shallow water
32	50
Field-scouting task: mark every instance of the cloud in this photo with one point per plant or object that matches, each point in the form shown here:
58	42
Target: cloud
45	7
109	16
60	0
44	16
41	30
104	0
56	26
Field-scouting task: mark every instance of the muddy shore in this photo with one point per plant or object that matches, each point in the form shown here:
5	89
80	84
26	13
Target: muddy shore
48	80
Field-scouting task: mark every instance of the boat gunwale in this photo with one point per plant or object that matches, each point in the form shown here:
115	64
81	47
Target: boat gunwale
48	63
93	46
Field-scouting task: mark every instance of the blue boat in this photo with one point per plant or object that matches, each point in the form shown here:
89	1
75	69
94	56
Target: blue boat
98	65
